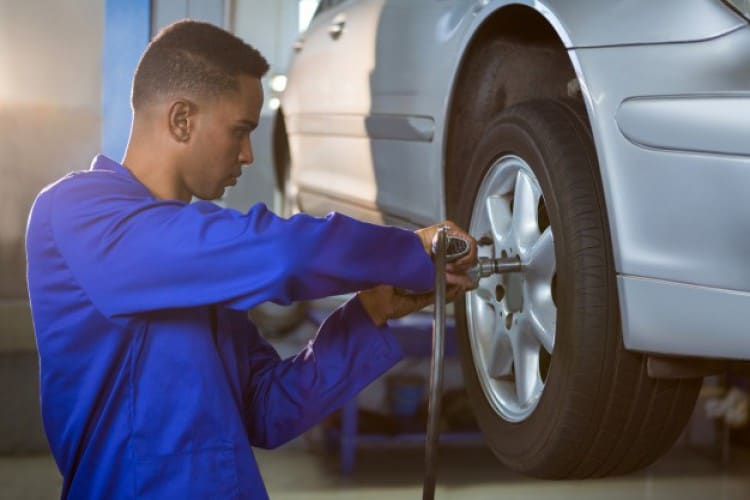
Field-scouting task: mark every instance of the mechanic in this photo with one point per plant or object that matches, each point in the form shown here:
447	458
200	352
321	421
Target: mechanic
154	383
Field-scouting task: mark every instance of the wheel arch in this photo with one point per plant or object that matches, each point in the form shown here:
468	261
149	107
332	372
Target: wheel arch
520	33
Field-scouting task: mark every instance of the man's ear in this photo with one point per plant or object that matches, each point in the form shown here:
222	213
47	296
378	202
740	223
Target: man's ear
182	119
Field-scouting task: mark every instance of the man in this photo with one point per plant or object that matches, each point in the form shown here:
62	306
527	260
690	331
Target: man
154	383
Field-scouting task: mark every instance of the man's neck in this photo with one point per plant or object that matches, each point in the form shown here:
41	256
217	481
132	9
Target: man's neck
154	170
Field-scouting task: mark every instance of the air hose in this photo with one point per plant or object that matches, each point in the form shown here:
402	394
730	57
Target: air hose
436	366
447	249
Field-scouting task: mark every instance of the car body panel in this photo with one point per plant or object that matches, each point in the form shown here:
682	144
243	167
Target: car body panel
596	23
675	188
665	94
317	107
675	214
671	318
711	124
400	90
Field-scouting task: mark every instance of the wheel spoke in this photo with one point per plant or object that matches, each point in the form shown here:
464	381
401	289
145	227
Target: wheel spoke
542	310
543	325
486	289
498	211
485	325
541	261
525	199
500	362
525	363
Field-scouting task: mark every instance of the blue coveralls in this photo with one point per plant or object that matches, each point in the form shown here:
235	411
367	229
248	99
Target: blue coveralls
154	384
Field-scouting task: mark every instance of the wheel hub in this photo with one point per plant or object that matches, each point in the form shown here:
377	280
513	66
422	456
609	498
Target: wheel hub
511	315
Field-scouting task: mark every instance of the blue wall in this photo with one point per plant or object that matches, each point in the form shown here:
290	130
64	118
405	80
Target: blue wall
127	31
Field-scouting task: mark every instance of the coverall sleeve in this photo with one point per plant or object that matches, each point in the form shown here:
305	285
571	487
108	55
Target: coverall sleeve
285	398
132	253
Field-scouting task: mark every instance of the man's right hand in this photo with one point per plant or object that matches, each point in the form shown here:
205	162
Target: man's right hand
385	302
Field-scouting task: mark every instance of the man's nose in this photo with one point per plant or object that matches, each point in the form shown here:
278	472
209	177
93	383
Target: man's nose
246	152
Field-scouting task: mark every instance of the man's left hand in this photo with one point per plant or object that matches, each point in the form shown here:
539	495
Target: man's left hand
455	272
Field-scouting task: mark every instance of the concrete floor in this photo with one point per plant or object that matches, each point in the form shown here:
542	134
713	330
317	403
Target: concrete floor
294	472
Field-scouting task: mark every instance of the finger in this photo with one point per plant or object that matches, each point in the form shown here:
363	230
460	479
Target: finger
460	279
457	279
470	259
460	266
454	292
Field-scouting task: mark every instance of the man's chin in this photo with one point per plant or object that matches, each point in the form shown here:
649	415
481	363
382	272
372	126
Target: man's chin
214	196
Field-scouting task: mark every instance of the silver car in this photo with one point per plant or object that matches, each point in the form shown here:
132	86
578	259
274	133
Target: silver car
602	145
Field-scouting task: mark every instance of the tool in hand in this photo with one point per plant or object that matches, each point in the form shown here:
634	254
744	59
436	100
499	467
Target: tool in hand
446	249
436	367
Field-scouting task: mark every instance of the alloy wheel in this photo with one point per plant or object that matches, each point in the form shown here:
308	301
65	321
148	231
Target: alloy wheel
512	318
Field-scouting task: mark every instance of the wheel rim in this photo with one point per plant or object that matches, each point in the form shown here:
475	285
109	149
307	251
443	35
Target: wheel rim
512	318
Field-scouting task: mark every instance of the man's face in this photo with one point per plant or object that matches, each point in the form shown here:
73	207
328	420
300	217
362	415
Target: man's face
220	140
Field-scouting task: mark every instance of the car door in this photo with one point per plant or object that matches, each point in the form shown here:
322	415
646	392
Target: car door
416	46
365	90
326	105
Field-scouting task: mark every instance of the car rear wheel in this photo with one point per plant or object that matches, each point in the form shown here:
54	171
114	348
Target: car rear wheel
554	390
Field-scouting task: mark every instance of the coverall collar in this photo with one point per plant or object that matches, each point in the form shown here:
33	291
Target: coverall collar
102	162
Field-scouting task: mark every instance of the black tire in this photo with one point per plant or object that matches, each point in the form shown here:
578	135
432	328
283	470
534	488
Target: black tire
599	414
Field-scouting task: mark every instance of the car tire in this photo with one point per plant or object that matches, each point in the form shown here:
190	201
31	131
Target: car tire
597	413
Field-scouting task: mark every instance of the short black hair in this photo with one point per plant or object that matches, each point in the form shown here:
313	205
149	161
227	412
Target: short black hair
193	57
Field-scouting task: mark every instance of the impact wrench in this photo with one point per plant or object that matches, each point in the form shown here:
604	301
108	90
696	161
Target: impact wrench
445	249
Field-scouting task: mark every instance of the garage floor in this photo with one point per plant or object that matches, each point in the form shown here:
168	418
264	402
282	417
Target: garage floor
295	472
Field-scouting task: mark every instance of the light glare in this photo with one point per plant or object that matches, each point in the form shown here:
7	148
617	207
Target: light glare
278	83
306	13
